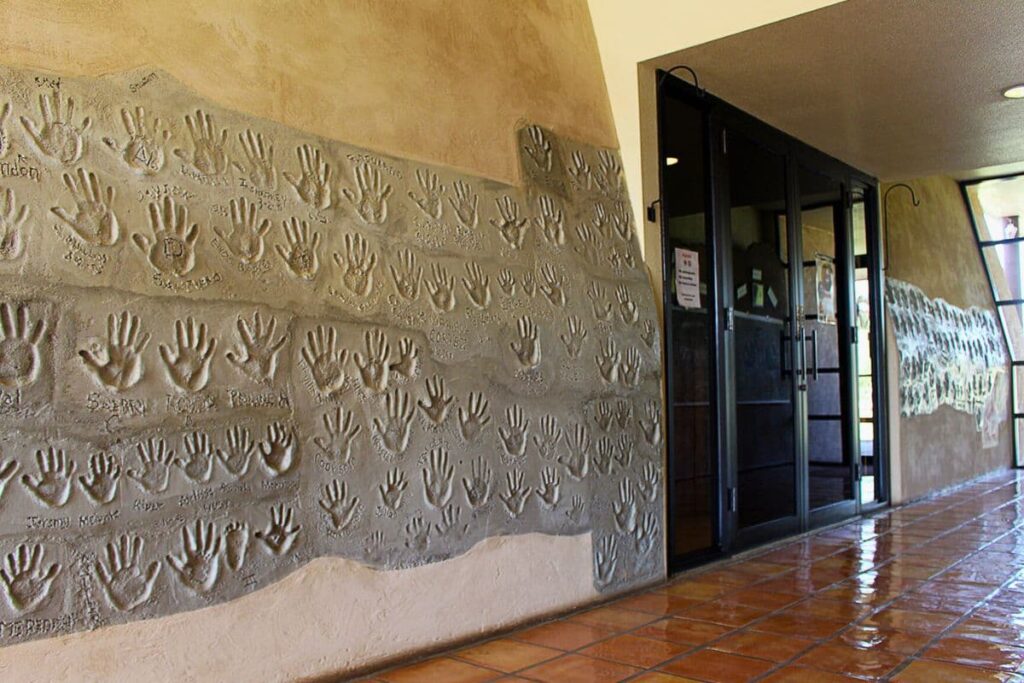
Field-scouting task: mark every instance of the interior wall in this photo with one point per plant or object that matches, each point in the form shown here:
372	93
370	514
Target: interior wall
383	75
932	246
443	83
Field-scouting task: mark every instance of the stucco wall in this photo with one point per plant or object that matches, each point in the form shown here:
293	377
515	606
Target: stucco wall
434	80
932	246
443	83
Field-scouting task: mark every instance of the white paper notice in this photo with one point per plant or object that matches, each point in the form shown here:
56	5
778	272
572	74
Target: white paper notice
687	278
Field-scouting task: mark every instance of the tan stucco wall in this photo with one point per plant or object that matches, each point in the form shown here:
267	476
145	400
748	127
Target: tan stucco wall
442	81
932	246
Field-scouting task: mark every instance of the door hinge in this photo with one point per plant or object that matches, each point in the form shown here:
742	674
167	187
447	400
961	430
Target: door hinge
857	471
854	334
732	499
730	318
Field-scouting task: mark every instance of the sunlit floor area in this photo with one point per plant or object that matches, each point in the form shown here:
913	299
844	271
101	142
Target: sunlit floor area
928	592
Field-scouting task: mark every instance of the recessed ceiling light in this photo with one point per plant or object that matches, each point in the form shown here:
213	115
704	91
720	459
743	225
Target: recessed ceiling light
672	161
1014	92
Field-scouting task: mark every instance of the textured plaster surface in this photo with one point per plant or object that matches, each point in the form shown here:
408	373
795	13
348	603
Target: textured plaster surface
931	247
329	616
228	348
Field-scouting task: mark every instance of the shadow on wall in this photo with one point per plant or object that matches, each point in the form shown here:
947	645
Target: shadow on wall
230	348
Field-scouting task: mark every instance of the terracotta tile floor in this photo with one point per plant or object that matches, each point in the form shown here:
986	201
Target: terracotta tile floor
930	592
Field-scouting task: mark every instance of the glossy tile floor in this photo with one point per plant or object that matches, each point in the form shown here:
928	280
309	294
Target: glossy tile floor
931	592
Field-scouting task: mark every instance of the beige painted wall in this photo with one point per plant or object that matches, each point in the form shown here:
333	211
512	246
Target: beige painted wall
629	33
932	246
442	81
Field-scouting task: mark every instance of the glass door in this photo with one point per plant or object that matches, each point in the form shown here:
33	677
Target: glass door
694	514
764	408
826	302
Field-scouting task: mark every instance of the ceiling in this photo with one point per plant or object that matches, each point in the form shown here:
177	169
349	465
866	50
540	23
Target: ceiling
897	88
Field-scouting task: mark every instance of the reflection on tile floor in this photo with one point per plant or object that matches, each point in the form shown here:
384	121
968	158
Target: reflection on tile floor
931	592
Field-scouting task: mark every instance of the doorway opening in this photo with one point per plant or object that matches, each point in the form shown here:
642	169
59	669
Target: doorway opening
772	299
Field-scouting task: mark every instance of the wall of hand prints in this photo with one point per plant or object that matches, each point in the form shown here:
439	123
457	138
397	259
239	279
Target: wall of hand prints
227	348
947	355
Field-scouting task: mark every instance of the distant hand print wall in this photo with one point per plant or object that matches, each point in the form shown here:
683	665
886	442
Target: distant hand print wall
948	355
227	348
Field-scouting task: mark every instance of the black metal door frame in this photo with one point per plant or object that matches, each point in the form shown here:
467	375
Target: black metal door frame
719	116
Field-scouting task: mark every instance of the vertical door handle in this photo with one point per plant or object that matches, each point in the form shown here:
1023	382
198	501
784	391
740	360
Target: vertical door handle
802	357
814	354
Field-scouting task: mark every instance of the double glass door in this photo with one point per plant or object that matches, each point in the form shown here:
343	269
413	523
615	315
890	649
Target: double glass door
761	331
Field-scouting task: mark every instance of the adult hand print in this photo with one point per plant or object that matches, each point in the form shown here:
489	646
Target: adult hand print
119	365
430	201
370	198
375	367
11	221
341	432
437	479
407	361
438	401
313	184
246	239
392	489
608	360
209	155
577	462
516	494
280	534
551	221
474	419
188	365
238	454
301	255
124	582
143	151
156	466
510	226
198	565
465	203
52	485
256	355
538	148
441	287
26	585
357	265
574	337
278	451
259	154
393	431
553	286
325	361
198	466
100	486
340	509
478	485
57	137
171	249
527	348
19	346
513	438
406	275
93	220
477	285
